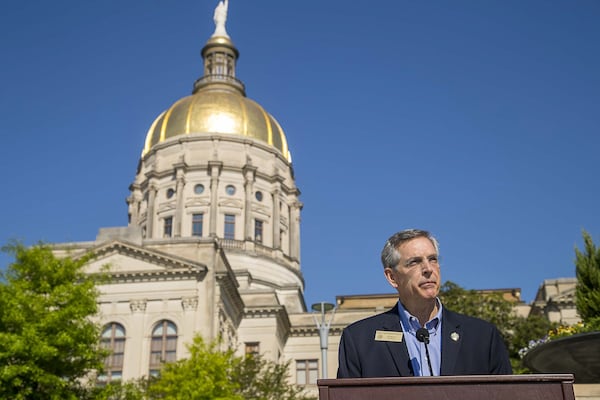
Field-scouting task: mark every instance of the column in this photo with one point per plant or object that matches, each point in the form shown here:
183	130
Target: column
215	172
179	190
249	176
295	230
133	203
150	213
276	217
135	337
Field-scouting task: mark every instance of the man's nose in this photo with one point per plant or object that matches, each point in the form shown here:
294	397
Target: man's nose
426	266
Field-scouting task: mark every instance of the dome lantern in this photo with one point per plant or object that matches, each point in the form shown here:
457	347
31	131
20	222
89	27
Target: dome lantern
220	56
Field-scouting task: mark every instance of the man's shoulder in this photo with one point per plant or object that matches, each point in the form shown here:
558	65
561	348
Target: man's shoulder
449	316
388	316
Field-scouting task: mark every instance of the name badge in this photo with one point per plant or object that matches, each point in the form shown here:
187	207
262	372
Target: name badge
388	336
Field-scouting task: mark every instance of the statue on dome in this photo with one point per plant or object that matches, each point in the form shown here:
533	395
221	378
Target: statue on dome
220	17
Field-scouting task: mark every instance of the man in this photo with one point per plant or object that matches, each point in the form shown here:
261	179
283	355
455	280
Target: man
388	345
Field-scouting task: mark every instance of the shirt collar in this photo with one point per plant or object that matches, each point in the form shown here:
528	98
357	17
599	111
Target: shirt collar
410	323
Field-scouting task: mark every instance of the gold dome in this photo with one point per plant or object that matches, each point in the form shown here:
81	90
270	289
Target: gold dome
218	105
217	111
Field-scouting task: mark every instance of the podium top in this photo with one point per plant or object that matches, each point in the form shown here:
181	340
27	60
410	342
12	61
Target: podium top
464	387
458	379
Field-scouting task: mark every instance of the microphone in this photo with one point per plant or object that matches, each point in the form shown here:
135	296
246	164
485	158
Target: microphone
423	336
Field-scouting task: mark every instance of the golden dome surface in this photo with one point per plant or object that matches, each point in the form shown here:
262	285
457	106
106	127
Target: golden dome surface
217	111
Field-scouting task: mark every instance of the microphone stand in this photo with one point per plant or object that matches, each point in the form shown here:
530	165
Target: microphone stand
423	336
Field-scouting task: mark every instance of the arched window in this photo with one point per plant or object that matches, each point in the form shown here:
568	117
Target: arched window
113	340
163	347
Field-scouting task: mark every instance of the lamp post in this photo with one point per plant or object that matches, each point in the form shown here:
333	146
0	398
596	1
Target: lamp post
323	327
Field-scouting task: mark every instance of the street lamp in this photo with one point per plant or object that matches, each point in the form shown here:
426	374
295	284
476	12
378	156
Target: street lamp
323	327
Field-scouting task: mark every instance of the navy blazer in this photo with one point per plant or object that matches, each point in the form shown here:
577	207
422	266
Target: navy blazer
470	346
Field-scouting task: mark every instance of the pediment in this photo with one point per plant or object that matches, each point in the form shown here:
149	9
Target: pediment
198	202
567	296
166	206
233	203
121	260
263	210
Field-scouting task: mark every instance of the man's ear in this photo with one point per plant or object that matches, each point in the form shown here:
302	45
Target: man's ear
389	275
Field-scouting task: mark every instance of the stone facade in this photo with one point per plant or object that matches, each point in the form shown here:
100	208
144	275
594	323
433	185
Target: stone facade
555	300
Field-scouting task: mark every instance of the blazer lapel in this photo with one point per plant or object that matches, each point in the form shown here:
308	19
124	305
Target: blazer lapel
451	342
398	350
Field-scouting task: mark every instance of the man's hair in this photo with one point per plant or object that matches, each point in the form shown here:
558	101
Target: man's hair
390	256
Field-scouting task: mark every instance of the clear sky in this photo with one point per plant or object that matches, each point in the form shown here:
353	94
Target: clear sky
477	120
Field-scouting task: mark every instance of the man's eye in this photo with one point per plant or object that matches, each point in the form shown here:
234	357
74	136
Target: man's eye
414	263
433	259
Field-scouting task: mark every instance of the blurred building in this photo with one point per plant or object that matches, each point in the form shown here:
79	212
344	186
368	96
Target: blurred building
555	300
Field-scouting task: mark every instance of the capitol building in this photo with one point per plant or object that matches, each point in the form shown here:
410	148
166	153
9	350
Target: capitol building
212	243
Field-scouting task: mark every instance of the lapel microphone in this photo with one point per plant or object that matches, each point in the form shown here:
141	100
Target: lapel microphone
423	336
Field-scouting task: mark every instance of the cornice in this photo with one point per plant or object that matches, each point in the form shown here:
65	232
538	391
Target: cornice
155	276
257	254
278	312
305	331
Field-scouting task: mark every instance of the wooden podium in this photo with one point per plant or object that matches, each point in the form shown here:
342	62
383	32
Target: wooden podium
471	387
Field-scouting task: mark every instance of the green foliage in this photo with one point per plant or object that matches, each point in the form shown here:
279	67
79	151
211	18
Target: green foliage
117	390
491	307
587	299
526	331
260	379
204	375
587	292
516	331
47	341
211	373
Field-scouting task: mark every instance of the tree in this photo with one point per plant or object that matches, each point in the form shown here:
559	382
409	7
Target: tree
266	380
48	342
587	292
526	330
118	390
205	375
516	331
491	307
210	373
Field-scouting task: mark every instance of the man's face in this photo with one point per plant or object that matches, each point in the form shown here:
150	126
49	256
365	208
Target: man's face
417	275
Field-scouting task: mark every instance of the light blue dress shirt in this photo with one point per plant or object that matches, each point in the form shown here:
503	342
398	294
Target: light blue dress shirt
416	349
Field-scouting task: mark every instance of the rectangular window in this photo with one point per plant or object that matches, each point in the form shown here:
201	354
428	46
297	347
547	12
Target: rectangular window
168	227
229	226
197	220
252	348
258	231
307	372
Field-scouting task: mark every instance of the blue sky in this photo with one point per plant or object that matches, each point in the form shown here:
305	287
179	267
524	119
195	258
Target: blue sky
477	120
